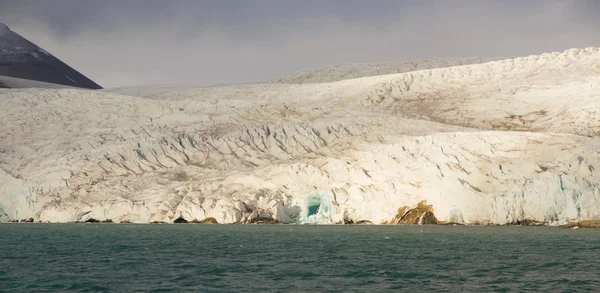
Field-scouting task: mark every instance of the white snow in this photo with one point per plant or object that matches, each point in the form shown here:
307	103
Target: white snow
13	82
348	71
485	143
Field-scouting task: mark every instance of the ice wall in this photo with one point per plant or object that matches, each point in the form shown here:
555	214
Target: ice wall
492	143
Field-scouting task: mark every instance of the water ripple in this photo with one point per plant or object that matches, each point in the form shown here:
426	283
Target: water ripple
278	258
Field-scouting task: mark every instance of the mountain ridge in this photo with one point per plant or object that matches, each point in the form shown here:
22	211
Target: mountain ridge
24	60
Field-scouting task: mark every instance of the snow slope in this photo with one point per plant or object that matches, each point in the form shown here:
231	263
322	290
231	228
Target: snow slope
498	142
349	71
12	83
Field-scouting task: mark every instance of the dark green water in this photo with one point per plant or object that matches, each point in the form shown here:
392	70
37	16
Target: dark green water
280	258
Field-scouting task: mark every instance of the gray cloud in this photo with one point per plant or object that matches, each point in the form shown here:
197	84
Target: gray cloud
131	42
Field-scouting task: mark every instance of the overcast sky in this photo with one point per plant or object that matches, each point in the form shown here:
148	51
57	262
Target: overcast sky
130	42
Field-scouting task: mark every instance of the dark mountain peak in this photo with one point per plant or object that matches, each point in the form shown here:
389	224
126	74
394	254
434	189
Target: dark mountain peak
22	59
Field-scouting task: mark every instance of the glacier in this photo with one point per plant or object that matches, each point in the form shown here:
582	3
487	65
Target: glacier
488	142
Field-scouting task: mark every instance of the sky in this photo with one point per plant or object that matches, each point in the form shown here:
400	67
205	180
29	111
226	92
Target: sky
133	42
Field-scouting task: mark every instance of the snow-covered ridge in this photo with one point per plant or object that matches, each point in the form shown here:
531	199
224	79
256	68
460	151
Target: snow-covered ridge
350	71
499	142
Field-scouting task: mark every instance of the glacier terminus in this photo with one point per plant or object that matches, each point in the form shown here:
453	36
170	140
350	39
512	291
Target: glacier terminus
473	141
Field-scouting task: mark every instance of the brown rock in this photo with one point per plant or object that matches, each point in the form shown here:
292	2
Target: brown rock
583	224
528	222
267	221
352	222
364	222
209	220
589	224
180	220
421	215
420	218
262	220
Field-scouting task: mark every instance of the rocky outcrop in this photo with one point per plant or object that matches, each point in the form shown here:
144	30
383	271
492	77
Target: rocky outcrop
352	222
582	224
528	222
259	218
364	222
180	220
420	215
209	220
263	221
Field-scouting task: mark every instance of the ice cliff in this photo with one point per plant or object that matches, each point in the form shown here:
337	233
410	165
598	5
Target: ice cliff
496	142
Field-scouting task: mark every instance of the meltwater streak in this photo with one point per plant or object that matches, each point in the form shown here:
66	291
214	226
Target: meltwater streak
289	258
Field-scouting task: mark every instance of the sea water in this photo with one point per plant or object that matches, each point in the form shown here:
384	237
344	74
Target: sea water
293	258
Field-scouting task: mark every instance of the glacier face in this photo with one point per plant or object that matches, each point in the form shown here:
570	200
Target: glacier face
490	143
